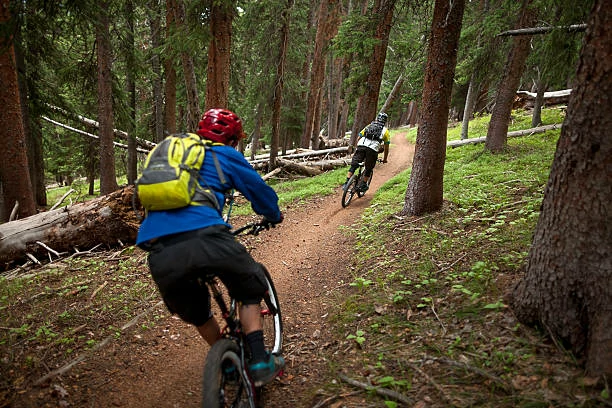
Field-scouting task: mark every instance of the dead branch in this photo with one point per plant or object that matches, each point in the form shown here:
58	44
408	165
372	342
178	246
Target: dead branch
532	131
378	390
83	133
92	123
99	288
476	370
327	400
437	386
48	249
272	173
13	215
62	199
542	30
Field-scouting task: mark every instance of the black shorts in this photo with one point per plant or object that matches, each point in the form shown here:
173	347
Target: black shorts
366	155
179	261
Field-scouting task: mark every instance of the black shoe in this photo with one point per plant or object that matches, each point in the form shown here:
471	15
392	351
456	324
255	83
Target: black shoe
363	187
263	372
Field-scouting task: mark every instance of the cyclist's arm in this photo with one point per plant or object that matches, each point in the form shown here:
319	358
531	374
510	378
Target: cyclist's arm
385	152
263	198
386	142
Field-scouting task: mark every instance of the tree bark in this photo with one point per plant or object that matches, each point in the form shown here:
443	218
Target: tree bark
536	118
567	288
130	48
170	72
218	68
317	74
15	184
279	85
108	180
425	188
469	107
368	102
108	220
500	116
393	94
191	85
158	101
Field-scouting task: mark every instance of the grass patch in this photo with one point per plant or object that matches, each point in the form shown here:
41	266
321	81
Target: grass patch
431	289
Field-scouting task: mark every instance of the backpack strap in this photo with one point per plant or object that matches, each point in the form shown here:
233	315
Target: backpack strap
208	194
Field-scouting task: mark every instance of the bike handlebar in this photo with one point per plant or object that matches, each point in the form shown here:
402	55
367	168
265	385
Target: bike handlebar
254	228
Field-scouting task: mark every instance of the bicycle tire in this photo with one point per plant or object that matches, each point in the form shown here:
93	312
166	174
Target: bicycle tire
349	192
272	318
362	193
219	390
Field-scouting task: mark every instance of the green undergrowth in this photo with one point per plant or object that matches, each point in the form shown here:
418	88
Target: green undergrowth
426	316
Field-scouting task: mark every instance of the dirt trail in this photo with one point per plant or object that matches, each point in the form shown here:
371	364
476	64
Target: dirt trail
308	257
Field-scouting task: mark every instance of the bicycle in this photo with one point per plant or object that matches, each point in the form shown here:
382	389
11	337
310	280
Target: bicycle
352	185
226	381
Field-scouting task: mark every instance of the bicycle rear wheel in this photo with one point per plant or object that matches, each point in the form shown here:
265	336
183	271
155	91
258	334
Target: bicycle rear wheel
272	318
225	383
349	192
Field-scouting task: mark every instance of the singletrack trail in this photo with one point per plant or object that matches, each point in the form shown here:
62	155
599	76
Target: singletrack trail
309	259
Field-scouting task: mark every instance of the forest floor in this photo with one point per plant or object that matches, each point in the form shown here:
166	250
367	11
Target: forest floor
131	353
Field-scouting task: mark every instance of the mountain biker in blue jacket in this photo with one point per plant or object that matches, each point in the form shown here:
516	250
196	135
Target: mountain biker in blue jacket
368	149
185	243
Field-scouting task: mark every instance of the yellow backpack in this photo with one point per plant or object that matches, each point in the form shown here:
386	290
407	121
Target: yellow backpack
170	177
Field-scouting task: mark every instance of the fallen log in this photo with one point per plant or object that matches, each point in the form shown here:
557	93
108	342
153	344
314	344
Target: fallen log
310	153
295	168
476	140
525	99
108	220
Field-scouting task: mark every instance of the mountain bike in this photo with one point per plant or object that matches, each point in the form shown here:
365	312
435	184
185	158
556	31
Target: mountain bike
353	184
226	381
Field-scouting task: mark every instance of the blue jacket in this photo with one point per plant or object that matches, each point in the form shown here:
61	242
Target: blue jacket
239	175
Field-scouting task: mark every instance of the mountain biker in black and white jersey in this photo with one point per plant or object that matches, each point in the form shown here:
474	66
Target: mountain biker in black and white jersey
371	138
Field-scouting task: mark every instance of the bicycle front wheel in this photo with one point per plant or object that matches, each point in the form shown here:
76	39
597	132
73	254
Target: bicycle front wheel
272	318
349	192
225	383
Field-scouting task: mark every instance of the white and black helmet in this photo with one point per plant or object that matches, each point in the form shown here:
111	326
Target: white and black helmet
382	117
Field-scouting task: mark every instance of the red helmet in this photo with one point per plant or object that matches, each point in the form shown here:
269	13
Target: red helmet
221	126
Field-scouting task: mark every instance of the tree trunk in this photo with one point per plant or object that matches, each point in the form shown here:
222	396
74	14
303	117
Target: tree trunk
108	220
393	94
500	116
218	68
256	131
277	98
469	108
130	48
108	180
170	84
424	193
567	288
158	101
15	184
536	118
317	73
368	102
191	85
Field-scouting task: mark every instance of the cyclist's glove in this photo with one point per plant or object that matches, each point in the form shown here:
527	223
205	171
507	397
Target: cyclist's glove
266	223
